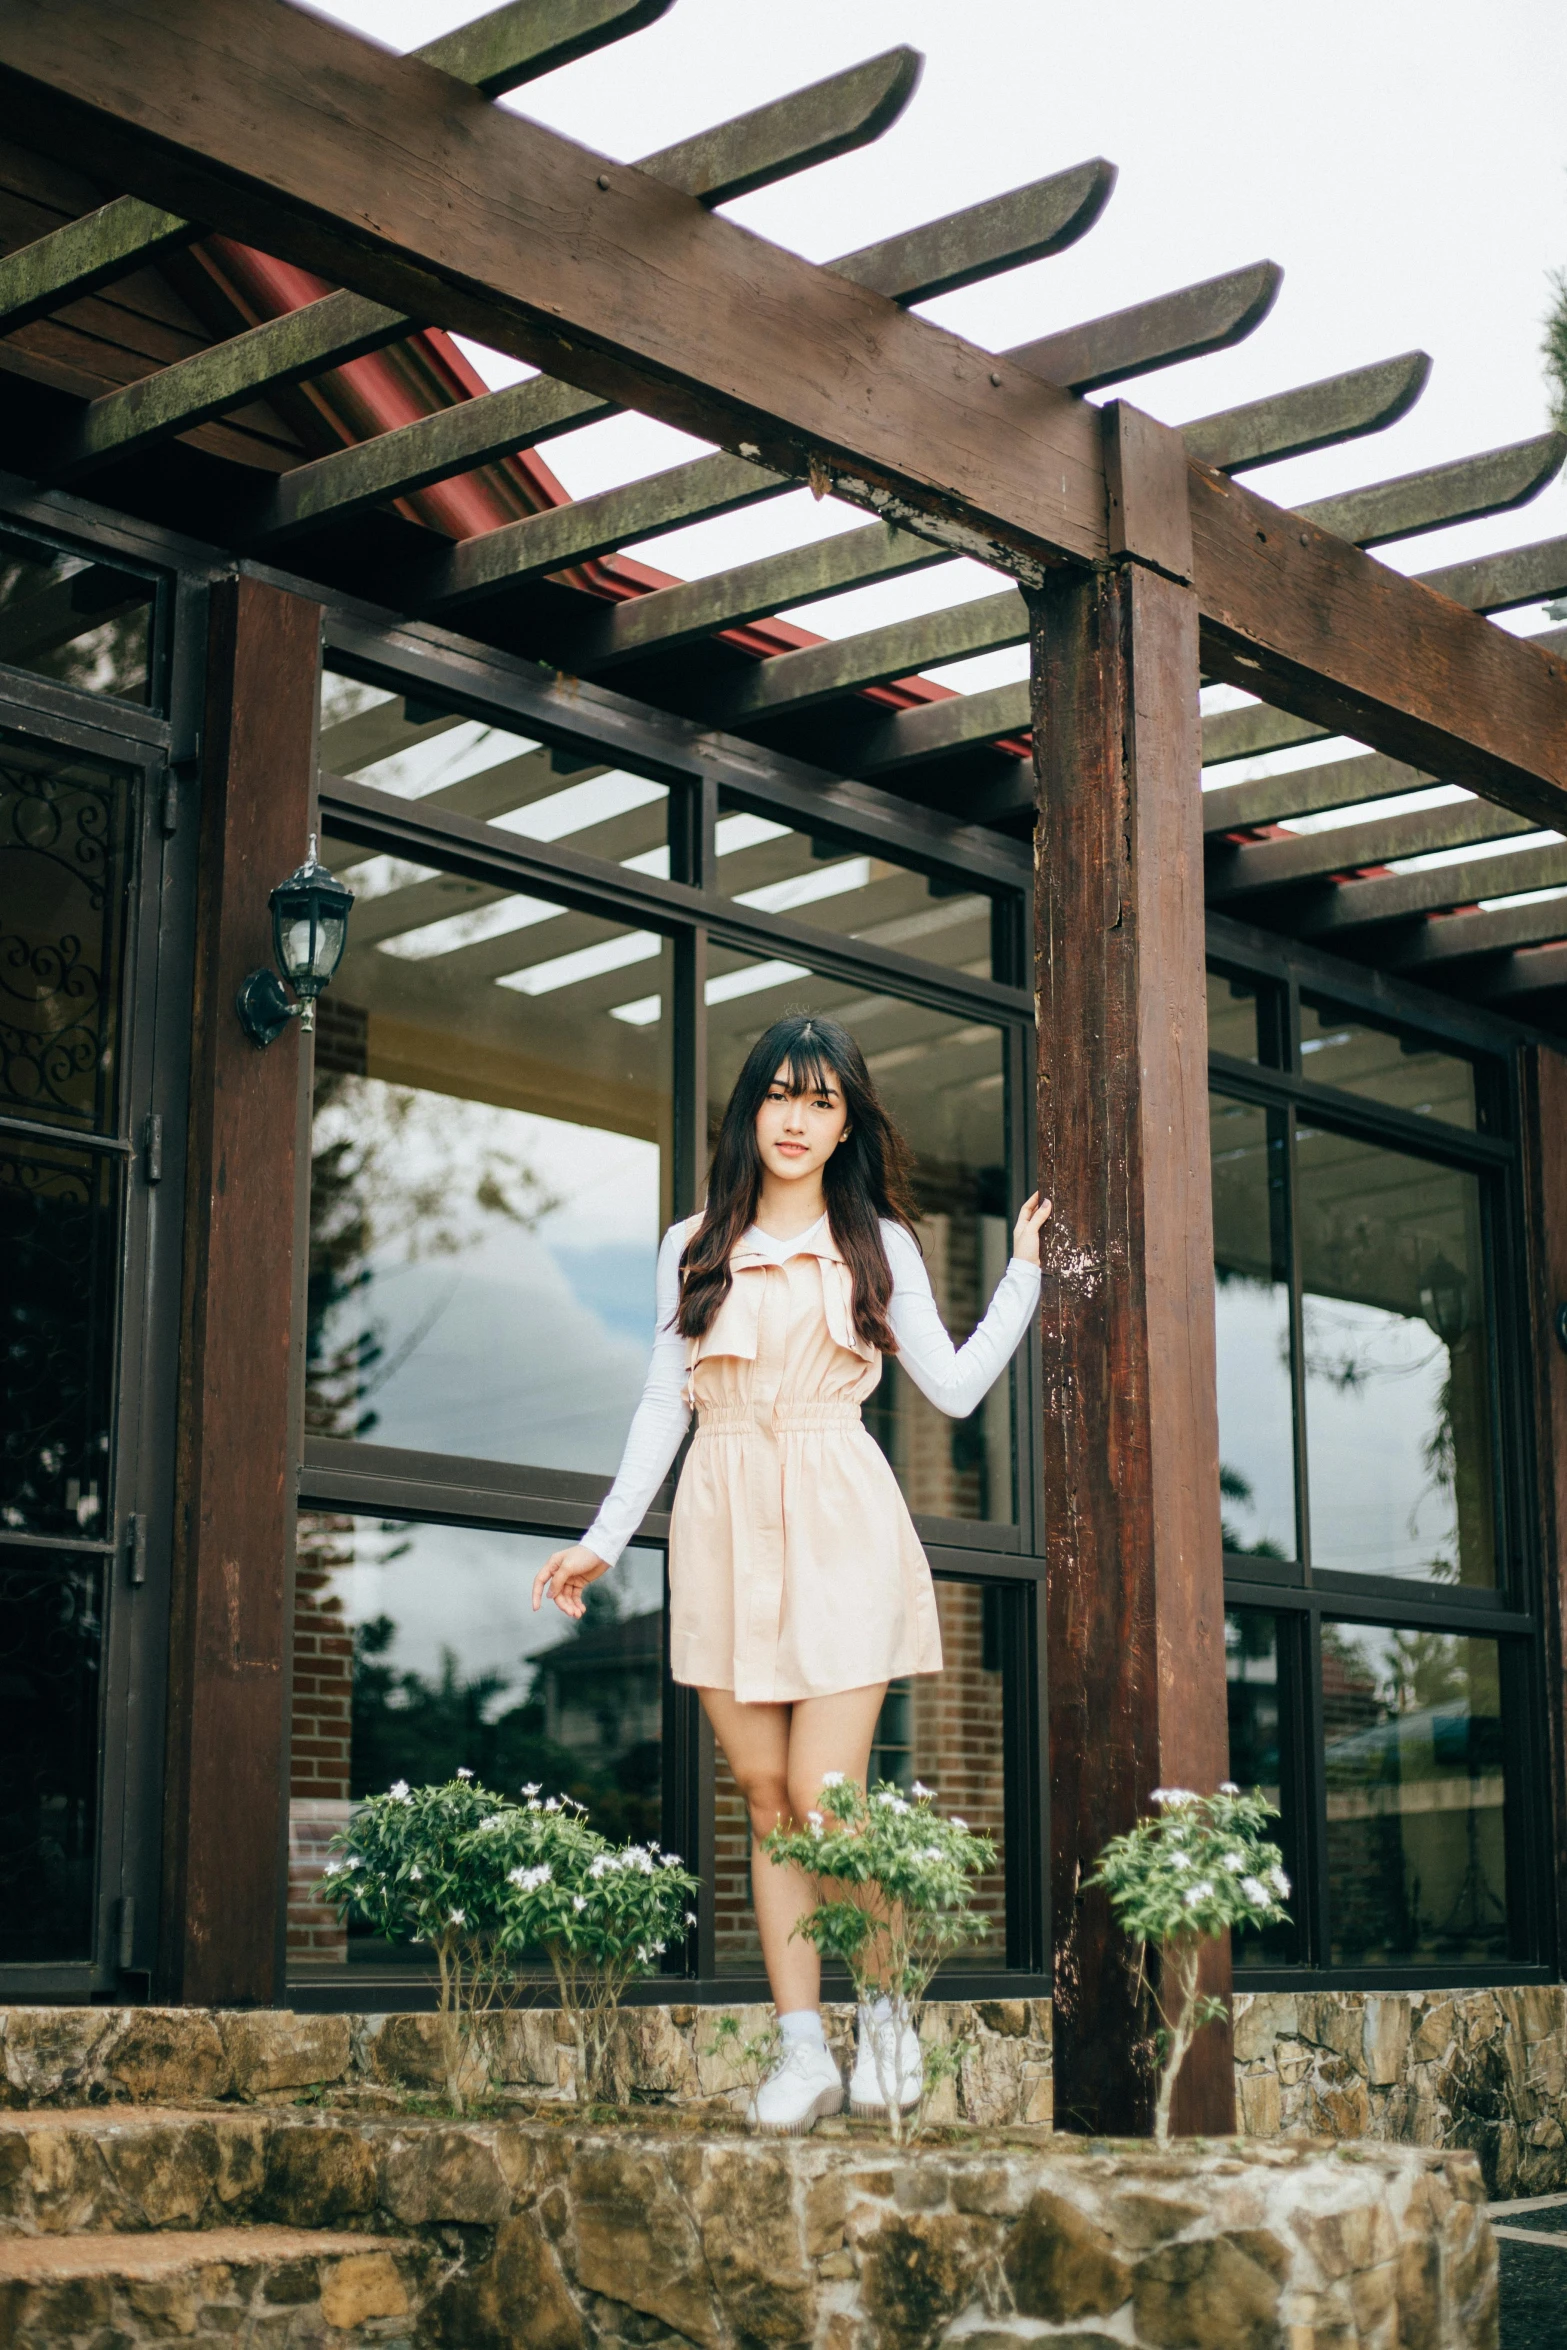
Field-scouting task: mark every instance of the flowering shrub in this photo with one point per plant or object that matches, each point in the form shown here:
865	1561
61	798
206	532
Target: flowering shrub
486	1883
905	1870
1201	1866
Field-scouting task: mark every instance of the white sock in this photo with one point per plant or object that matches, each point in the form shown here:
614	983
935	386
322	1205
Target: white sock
802	2025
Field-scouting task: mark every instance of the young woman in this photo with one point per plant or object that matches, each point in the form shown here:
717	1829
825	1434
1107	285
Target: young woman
798	1588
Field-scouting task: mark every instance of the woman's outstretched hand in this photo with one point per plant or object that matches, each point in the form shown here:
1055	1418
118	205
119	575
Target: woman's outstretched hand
566	1576
1031	1219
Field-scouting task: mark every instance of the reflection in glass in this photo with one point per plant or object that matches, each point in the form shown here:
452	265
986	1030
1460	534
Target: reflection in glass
75	620
1256	1711
1398	1423
942	1079
1234	1007
1348	1050
947	1729
51	1645
490	1179
1251	1309
59	1245
417	1653
1415	1796
764	864
64	873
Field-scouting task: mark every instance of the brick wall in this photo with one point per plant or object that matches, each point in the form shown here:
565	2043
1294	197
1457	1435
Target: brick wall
322	1729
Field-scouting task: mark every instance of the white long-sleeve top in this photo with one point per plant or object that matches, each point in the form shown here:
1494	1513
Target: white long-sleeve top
953	1378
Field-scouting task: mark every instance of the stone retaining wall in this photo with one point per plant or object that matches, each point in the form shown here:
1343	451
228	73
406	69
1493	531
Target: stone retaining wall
1485	2070
503	2235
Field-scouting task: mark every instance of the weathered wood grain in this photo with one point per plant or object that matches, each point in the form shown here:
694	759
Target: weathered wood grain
1544	1089
517	42
1206	317
1236	872
1135	1585
81	255
1313	416
224	1821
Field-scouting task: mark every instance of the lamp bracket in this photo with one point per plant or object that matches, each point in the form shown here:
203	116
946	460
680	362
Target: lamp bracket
264	1007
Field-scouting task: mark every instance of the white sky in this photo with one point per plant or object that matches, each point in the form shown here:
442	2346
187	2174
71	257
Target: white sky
1406	164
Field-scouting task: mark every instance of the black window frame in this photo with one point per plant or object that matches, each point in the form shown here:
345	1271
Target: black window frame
337	1474
1300	1601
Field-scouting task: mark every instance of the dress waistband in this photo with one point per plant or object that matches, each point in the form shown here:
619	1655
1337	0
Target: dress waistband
727	1419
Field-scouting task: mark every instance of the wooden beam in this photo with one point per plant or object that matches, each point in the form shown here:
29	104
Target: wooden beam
84	254
984	239
1398	897
1206	317
427	198
508	46
1135	1600
225	1819
1314	416
754	150
789	135
424	197
1440	943
1500	583
698	608
1442	494
1307	791
282	351
818	673
1237	870
911	738
1530	973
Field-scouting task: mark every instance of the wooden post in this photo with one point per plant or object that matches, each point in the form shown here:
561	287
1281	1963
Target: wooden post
224	1813
1545	1146
1135	1593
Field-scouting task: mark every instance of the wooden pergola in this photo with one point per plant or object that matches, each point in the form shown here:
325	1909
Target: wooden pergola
1142	567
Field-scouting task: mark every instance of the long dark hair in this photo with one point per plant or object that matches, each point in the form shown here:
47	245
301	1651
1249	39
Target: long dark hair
866	1178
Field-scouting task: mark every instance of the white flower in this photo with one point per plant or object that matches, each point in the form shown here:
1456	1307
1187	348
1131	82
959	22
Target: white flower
1201	1891
1228	1787
1233	1862
957	1823
458	1918
532	1787
931	1852
530	1879
334	1868
1180	1860
814	1819
416	1875
601	1864
1172	1795
833	1778
690	1917
553	1803
1256	1893
1278	1880
462	1773
668	1860
895	1804
400	1791
579	1902
924	1794
495	1819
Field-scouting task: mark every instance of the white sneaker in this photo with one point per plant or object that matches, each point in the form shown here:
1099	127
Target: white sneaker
901	2065
803	2085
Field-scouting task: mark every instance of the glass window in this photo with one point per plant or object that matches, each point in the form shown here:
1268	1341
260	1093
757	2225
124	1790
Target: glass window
1383	1063
75	620
1415	1796
1233	1008
1257	1697
60	1245
417	1652
946	1729
51	1650
64	880
1252	1314
943	1080
466	767
490	1178
844	890
1398	1417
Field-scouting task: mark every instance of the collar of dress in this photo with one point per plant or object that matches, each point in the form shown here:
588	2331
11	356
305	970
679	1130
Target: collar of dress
733	1330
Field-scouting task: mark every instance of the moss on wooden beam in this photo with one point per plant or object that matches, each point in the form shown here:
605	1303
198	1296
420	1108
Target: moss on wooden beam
789	135
1205	317
1461	491
508	46
81	255
1237	871
1314	416
984	239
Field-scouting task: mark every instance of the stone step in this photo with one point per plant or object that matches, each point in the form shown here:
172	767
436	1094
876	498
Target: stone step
268	2284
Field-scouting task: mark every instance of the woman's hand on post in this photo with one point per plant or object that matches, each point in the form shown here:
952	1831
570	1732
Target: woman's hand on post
1031	1219
566	1576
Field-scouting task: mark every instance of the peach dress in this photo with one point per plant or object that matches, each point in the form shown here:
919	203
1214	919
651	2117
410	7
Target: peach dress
794	1567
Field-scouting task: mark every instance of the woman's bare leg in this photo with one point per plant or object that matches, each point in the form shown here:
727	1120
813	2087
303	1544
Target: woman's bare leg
779	1755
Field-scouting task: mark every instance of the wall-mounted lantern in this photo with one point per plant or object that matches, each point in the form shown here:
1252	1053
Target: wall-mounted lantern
309	933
